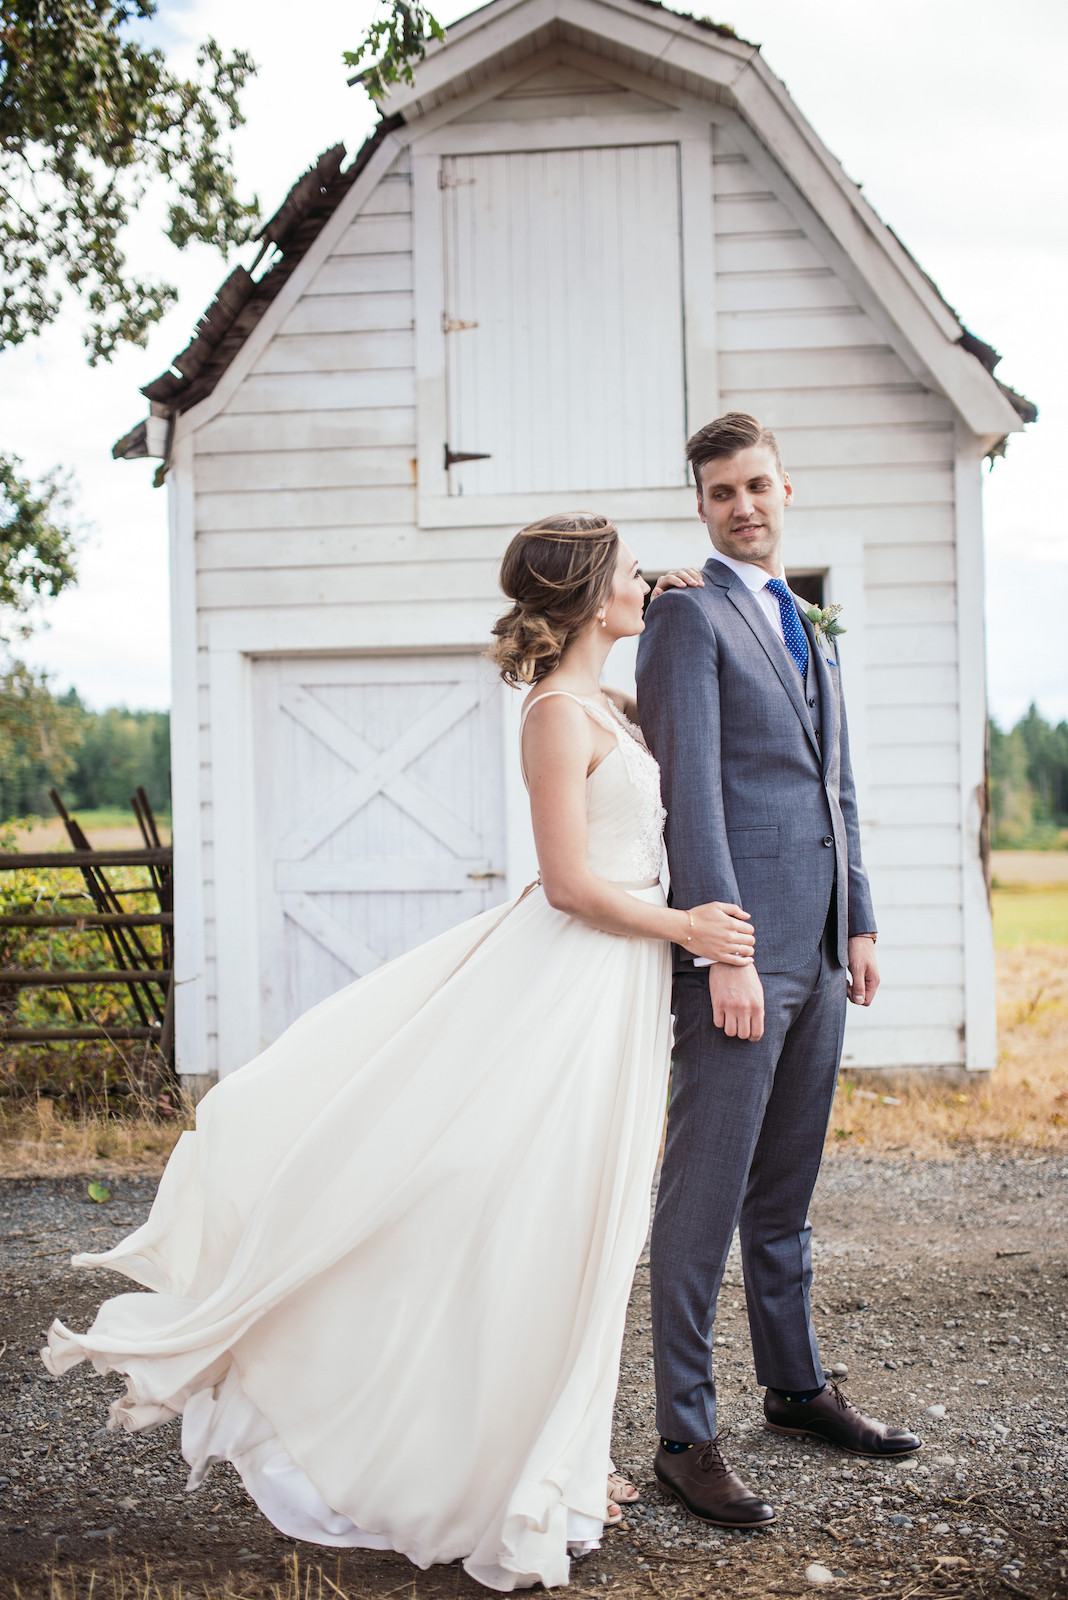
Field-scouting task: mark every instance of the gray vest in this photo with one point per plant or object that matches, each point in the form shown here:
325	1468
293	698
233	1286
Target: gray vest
812	698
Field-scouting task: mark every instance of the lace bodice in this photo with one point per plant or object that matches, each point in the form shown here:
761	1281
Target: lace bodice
624	815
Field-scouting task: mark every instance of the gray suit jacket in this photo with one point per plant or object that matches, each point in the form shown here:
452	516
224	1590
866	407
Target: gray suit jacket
761	809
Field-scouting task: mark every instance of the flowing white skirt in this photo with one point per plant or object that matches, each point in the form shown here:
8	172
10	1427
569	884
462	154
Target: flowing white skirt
392	1265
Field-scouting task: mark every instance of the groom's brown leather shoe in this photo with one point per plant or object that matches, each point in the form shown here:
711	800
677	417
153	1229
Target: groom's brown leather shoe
830	1416
707	1487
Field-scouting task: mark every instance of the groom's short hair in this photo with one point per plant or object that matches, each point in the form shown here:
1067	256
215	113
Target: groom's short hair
727	436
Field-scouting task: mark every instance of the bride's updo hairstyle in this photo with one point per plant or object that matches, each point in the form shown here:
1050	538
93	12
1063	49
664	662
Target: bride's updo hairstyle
559	573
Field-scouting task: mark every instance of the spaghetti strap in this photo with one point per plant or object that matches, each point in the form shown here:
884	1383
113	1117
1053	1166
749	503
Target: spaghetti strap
599	713
532	700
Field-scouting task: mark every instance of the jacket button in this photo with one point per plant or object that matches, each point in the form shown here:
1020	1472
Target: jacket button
812	702
828	840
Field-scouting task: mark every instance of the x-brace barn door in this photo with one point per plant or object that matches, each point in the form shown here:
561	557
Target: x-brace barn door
380	814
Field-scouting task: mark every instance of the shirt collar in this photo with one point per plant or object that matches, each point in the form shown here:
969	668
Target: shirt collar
753	577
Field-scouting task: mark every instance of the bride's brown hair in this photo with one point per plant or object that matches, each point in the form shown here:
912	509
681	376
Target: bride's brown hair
559	573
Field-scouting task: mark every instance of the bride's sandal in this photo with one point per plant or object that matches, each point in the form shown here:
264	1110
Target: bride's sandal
613	1516
620	1492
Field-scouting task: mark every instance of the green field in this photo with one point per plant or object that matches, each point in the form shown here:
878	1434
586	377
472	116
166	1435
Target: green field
1031	916
111	817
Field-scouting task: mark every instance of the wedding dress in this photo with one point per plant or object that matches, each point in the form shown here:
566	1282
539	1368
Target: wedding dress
392	1265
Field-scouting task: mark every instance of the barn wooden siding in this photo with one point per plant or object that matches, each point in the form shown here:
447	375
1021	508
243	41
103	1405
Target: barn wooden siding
305	498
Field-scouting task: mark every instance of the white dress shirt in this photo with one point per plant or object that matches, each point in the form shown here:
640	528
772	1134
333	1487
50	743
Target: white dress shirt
754	579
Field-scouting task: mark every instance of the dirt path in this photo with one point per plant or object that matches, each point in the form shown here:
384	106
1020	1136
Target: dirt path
938	1284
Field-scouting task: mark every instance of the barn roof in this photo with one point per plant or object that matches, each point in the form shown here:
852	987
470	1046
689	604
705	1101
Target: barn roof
702	59
242	298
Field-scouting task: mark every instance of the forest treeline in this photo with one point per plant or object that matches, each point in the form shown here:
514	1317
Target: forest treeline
1029	784
94	758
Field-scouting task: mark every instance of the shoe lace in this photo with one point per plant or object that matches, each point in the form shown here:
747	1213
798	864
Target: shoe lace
711	1457
844	1404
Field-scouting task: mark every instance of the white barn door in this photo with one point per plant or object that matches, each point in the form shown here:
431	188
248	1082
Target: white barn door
563	319
380	814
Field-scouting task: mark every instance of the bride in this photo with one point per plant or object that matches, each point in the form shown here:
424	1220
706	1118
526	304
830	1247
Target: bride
392	1265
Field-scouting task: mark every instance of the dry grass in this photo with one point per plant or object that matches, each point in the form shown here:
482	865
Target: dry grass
302	1581
1024	1104
40	1139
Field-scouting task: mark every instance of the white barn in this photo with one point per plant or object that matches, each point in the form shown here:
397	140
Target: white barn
588	228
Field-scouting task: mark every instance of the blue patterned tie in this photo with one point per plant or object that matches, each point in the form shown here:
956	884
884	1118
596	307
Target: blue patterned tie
792	631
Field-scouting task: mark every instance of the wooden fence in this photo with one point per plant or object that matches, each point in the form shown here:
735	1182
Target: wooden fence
147	975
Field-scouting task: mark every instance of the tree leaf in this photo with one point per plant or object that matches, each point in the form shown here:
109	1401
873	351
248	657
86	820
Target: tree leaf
89	117
98	1192
402	37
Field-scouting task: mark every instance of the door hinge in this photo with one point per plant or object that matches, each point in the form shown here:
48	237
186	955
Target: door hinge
453	324
454	457
446	180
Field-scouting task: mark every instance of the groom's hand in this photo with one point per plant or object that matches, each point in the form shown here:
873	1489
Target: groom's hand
863	970
737	996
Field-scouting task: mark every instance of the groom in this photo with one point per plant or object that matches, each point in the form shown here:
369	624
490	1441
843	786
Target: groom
741	703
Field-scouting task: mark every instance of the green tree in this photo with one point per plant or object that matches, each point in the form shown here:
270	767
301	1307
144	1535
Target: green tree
1047	764
87	116
397	37
38	738
117	751
37	544
1028	783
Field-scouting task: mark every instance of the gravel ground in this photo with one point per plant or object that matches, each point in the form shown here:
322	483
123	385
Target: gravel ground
941	1286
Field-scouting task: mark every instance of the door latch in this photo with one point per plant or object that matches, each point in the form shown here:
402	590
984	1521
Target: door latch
454	457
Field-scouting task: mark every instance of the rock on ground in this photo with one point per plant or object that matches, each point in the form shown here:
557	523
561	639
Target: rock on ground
936	1284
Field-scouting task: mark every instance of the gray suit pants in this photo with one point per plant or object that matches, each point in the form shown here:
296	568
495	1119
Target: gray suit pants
744	1142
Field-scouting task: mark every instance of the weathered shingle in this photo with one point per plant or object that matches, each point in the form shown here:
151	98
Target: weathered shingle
242	300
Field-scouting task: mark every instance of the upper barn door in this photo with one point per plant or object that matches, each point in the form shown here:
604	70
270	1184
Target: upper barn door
380	803
563	320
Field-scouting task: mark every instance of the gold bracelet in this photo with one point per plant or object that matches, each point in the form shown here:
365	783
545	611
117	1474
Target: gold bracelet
693	925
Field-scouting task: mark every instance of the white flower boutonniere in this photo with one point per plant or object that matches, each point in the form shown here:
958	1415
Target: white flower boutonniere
825	622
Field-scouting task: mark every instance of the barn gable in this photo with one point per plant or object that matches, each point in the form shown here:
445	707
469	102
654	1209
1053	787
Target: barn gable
563	90
615	196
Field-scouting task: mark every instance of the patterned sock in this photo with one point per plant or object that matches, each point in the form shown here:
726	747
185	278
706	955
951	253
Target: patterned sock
800	1395
673	1448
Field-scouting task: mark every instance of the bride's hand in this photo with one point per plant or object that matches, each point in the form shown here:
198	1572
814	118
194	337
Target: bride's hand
682	578
722	933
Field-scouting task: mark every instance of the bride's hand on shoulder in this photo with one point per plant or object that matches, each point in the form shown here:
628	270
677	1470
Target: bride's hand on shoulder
723	933
681	578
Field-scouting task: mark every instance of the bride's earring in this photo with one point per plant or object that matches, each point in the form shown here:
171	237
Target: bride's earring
603	620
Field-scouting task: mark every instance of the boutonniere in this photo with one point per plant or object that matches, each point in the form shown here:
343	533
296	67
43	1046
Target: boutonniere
825	622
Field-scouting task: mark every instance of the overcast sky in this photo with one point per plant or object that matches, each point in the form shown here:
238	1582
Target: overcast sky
950	112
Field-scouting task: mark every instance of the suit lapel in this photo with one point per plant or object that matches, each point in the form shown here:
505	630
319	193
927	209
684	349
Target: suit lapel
747	605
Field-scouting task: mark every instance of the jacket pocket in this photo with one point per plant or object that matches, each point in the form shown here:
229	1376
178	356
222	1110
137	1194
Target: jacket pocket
743	842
